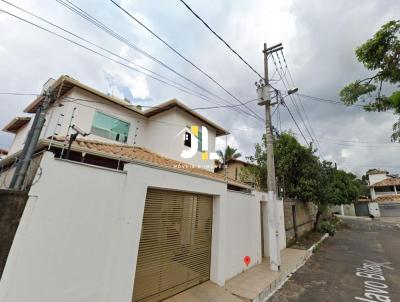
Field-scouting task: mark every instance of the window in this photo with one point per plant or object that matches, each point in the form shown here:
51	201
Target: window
109	127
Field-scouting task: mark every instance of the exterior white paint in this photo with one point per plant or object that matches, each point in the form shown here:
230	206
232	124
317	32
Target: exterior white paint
79	235
373	208
165	135
86	105
161	133
244	228
19	138
374	178
267	231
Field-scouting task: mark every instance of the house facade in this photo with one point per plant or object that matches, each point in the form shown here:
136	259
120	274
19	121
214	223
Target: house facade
109	119
120	214
385	190
234	169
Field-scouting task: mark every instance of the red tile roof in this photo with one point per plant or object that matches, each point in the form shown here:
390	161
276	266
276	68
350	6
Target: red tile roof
130	153
387	182
388	198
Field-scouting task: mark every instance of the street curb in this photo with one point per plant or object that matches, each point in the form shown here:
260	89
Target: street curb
287	274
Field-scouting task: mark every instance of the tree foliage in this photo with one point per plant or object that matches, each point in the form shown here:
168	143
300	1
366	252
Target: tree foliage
302	175
228	153
380	54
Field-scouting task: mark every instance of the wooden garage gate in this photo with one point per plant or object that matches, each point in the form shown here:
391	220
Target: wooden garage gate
175	244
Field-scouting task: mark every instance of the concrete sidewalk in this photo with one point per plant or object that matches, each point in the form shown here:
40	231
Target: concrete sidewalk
255	284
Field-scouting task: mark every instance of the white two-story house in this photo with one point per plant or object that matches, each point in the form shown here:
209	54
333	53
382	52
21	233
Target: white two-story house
122	213
161	129
385	190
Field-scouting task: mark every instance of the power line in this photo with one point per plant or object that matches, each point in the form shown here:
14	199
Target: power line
194	93
329	101
82	13
102	55
220	38
312	134
285	105
183	57
294	120
287	86
144	106
17	93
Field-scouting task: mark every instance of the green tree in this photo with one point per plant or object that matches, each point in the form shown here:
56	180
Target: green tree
228	153
380	54
301	175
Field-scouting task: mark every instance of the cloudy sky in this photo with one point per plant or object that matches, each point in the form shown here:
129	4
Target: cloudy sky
319	39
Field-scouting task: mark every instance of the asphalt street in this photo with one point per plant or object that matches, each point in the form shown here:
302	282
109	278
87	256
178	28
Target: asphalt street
360	263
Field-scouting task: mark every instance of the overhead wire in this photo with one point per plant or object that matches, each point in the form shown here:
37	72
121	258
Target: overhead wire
104	56
307	120
220	38
287	87
194	93
184	57
85	15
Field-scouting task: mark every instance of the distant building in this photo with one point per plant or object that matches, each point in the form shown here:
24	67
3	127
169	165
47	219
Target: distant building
385	190
234	170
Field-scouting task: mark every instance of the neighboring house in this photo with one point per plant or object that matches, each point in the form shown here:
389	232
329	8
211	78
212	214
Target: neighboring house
385	190
126	218
233	169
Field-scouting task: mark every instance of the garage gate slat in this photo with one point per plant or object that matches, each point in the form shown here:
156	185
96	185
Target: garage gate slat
175	244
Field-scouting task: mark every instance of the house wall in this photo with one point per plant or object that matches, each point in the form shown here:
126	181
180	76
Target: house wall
344	209
19	138
231	170
85	111
305	216
66	244
79	235
165	135
160	133
374	178
244	228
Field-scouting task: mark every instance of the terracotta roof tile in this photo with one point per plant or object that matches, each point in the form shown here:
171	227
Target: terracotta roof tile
387	198
142	154
387	182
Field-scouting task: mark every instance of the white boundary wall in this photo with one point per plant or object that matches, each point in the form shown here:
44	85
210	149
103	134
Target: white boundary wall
79	235
244	232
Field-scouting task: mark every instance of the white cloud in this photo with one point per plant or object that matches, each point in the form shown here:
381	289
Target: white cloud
345	153
319	40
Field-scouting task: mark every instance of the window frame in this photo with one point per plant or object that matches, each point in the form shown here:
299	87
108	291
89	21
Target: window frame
113	117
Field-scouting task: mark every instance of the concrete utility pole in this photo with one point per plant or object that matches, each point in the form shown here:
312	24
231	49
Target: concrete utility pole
263	91
30	144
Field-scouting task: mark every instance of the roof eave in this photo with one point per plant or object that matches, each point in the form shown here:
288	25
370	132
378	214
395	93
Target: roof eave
176	103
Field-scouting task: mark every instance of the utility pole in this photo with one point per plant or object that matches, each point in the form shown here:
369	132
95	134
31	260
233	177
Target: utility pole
21	170
263	90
